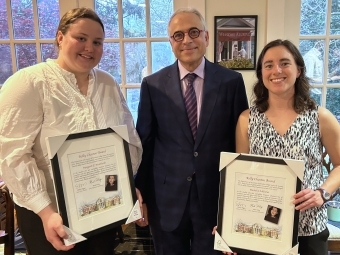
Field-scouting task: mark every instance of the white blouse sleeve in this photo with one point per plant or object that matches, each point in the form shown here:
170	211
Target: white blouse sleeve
20	122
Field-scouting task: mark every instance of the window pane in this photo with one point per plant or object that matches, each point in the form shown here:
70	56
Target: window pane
135	55
26	55
48	50
3	21
160	13
335	18
313	55
48	14
313	17
316	94
134	18
5	63
162	55
334	62
333	101
22	14
132	99
110	61
108	13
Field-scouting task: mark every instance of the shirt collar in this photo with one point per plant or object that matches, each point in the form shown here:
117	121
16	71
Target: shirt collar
199	71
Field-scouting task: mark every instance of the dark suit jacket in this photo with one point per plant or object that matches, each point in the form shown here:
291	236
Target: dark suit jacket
170	155
113	187
268	217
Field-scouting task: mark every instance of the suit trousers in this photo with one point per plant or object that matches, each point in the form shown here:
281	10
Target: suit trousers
31	228
192	236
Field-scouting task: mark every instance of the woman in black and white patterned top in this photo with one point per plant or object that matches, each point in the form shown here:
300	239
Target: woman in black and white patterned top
285	122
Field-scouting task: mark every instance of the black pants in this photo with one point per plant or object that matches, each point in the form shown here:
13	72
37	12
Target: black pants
32	231
314	245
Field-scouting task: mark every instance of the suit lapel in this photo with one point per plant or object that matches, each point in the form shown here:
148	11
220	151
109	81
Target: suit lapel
210	92
173	89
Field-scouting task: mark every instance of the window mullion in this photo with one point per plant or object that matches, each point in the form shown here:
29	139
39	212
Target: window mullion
327	41
121	44
11	35
148	37
36	29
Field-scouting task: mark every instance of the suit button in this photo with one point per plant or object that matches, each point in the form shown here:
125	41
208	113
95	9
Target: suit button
189	179
195	154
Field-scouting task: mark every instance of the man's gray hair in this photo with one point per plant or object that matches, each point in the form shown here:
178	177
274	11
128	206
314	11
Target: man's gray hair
188	10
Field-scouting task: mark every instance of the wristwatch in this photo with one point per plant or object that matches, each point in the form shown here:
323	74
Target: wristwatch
326	196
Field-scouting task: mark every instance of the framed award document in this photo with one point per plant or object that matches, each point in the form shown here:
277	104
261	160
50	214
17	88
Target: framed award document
256	214
93	179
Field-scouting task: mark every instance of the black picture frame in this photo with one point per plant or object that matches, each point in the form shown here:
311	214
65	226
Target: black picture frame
235	41
249	186
80	163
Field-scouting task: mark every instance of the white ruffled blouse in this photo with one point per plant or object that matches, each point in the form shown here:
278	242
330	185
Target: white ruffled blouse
44	100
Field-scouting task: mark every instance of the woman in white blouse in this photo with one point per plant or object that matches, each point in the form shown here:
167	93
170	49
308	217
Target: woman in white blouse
66	95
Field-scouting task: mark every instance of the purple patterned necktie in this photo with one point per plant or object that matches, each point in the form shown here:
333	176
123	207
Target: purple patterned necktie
191	103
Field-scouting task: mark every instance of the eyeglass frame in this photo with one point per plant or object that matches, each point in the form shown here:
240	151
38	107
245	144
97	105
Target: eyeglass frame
199	33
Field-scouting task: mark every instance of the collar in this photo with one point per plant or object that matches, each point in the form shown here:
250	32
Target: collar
199	71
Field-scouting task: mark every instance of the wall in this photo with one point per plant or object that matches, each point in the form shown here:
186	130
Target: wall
276	19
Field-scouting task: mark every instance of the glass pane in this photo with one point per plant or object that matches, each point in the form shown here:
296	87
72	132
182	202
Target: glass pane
132	99
161	55
5	63
110	61
26	55
334	62
313	17
313	52
160	13
108	12
335	18
3	21
135	55
333	101
48	14
48	50
134	18
316	94
22	14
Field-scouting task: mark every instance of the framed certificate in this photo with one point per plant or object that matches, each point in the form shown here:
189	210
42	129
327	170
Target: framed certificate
93	179
256	214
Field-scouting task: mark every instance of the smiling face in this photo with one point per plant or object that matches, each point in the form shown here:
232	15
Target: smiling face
111	179
273	212
189	51
279	71
81	47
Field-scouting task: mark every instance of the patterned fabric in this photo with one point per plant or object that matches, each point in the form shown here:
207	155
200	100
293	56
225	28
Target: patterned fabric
302	142
191	103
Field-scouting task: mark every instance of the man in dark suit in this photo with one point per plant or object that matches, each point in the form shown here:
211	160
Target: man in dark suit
179	174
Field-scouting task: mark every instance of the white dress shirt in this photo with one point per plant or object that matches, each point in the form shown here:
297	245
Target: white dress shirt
44	100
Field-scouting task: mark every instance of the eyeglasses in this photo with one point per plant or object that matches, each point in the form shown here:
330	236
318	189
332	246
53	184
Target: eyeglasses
193	33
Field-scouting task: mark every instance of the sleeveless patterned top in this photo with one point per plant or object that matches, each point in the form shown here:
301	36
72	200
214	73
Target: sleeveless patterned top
302	142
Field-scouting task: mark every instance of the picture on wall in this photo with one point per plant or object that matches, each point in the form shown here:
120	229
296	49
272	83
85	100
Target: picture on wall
235	41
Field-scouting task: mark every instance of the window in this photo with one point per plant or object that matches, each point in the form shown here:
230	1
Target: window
136	42
27	30
320	47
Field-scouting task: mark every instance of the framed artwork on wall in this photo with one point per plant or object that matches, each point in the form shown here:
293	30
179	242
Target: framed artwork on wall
235	41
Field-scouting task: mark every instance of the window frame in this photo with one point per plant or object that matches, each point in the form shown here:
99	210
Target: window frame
327	37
